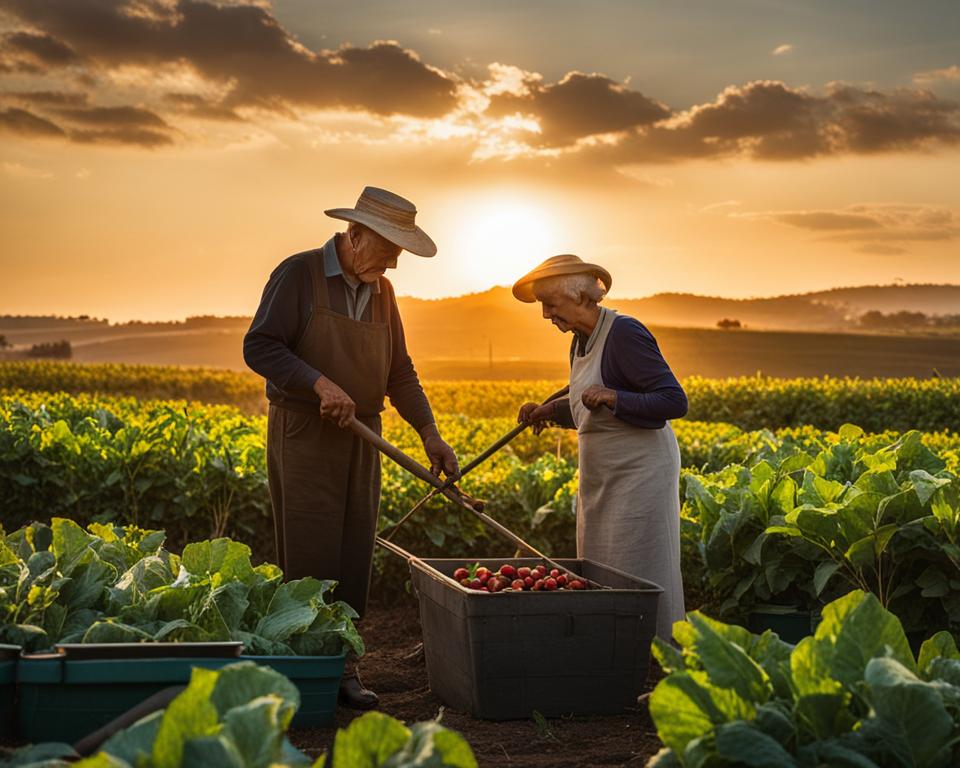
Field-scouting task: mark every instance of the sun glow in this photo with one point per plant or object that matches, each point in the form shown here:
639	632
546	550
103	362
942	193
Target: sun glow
499	240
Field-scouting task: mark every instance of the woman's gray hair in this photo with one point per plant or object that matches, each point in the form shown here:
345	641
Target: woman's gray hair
572	286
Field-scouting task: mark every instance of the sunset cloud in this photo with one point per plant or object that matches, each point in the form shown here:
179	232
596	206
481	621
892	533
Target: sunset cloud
933	75
242	45
235	63
769	120
578	106
870	223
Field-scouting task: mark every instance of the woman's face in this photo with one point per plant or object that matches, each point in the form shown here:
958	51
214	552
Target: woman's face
558	308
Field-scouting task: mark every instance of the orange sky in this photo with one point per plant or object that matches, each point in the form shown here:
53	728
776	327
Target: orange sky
158	159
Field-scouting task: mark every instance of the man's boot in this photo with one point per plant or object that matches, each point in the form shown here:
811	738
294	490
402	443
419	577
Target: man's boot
354	695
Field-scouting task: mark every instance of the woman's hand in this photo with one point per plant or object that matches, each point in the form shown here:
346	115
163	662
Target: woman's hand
536	415
595	396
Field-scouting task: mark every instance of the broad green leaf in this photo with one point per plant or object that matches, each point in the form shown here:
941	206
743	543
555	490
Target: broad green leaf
727	663
822	575
668	657
915	724
926	485
257	730
192	714
230	559
743	744
245	681
213	750
685	706
368	741
135	744
941	645
292	609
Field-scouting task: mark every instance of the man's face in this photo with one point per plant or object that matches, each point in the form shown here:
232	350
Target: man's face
373	254
558	308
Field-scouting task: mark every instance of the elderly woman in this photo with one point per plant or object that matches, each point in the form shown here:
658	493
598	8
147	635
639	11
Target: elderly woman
622	395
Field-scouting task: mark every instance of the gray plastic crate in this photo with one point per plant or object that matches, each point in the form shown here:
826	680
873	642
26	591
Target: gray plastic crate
501	656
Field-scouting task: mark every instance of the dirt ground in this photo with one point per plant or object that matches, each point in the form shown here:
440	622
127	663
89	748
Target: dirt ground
393	668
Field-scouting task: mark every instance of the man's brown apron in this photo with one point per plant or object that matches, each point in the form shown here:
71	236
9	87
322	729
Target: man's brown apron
325	481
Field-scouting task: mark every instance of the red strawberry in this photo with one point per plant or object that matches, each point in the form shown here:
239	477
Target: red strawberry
508	570
523	572
561	580
460	574
528	582
517	584
550	584
538	585
554	572
577	584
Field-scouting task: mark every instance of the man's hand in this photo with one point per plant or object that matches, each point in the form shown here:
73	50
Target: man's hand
536	415
596	396
335	404
442	456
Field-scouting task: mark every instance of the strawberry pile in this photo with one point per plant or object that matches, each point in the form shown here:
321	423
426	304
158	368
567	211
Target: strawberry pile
511	579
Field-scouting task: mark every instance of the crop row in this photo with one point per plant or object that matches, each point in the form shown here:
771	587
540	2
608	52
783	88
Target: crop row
200	470
752	402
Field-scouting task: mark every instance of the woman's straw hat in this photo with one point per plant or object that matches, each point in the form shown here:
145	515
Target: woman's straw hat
391	216
556	266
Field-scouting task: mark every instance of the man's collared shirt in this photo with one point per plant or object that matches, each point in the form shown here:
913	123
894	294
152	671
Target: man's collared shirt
357	293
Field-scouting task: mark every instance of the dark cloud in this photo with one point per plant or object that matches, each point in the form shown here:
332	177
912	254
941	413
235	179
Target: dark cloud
580	105
25	123
877	122
121	125
129	135
197	106
114	117
828	220
771	121
872	224
42	48
246	47
50	98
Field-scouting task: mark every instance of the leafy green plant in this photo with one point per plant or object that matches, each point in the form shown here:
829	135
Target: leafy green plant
379	741
238	717
799	529
109	584
852	695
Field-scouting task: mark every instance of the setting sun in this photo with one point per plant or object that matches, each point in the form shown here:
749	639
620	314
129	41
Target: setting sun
502	237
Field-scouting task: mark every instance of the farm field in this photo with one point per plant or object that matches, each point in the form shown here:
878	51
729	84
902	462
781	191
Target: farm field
786	501
441	354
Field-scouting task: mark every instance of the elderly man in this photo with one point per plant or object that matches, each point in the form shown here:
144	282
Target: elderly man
328	338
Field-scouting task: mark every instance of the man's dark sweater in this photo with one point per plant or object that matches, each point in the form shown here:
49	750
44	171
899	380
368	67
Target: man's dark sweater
281	320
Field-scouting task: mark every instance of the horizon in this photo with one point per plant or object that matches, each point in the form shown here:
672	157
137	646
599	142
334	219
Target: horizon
740	150
184	318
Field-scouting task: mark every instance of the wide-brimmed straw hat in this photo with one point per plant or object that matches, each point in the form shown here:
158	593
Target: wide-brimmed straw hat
391	216
566	264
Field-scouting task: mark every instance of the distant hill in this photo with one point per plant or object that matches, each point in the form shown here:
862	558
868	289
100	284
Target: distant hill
806	334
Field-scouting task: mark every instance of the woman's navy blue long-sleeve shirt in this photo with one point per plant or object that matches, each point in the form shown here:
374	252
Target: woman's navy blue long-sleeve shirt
648	394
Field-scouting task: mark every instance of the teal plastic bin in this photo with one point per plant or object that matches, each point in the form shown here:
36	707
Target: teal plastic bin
64	700
8	690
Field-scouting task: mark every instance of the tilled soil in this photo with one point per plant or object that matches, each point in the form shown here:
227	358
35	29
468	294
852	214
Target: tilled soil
394	669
